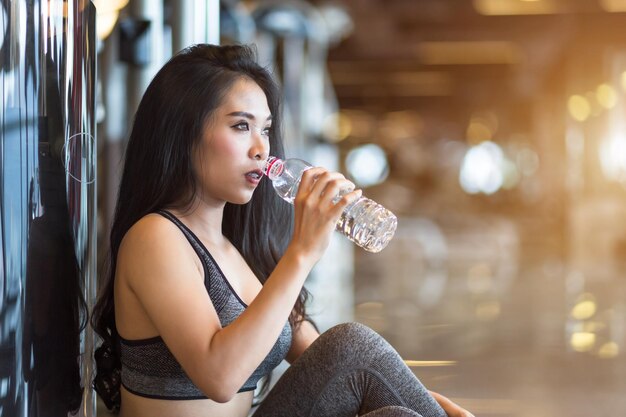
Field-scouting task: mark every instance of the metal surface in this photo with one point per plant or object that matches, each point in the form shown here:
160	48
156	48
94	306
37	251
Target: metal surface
195	21
47	207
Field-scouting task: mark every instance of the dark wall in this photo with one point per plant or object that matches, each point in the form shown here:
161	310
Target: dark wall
47	207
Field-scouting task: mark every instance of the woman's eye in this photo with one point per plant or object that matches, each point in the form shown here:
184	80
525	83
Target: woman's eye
243	126
266	131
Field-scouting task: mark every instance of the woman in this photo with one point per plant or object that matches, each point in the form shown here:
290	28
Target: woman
205	290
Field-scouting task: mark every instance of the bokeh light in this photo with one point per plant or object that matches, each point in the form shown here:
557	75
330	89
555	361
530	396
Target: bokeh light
481	169
579	107
583	341
585	307
367	165
606	96
613	158
337	127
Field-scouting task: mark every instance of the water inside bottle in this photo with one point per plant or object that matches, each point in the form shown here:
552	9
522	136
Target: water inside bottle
368	224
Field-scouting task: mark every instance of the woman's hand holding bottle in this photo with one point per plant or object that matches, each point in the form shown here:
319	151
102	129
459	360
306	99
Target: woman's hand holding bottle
317	210
363	221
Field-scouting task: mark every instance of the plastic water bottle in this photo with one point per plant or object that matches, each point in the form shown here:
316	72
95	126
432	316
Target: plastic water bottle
365	222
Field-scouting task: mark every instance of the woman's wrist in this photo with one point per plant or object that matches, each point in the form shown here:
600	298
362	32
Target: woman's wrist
299	258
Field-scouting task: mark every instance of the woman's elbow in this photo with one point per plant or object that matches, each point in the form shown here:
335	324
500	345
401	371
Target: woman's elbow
222	396
222	391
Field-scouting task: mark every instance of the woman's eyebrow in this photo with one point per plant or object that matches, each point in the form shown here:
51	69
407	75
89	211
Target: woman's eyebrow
246	115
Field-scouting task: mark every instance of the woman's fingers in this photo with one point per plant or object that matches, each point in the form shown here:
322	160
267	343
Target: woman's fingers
309	178
346	200
322	196
325	193
321	184
452	409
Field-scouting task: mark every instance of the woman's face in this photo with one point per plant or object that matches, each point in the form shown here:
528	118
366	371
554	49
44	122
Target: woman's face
234	146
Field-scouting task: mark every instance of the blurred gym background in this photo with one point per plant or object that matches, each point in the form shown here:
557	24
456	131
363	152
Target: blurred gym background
494	129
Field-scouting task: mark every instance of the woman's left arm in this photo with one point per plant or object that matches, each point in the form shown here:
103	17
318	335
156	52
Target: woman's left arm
452	409
301	339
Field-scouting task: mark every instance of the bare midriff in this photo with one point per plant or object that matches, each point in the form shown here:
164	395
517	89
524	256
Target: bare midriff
137	406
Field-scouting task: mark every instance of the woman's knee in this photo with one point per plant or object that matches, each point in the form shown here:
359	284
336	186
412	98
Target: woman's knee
353	341
351	332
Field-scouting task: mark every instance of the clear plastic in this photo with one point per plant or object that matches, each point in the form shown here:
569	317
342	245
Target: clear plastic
365	222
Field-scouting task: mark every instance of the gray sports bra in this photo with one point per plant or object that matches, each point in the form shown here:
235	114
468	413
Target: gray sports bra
148	367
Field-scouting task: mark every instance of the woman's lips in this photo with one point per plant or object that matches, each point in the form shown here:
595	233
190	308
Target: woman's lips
254	177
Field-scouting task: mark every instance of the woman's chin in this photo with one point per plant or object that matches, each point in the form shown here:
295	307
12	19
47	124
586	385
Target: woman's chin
241	200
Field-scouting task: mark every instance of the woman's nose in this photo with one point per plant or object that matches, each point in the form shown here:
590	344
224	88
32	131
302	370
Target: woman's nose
260	151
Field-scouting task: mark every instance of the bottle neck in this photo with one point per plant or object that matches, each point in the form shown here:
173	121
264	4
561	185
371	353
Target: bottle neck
274	167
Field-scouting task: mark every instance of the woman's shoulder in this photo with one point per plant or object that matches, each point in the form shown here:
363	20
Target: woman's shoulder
154	247
151	232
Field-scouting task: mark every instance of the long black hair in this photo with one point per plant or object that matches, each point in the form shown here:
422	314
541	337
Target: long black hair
158	174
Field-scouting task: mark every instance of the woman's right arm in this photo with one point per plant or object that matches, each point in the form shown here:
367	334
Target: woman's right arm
169	286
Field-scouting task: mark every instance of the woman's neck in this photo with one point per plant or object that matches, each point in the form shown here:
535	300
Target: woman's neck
204	218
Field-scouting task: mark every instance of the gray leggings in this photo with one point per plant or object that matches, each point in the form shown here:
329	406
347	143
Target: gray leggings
349	370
